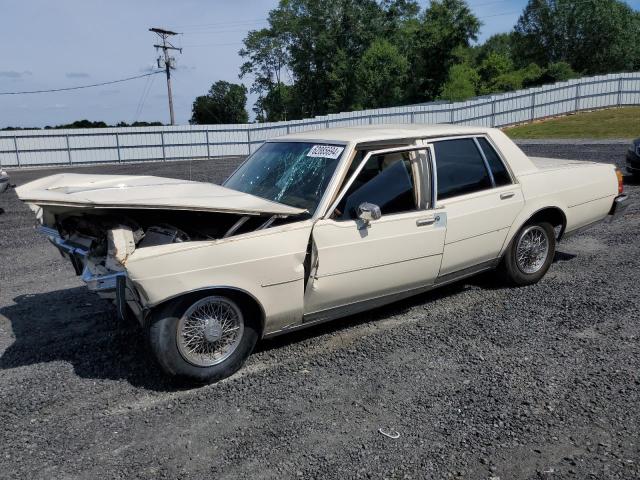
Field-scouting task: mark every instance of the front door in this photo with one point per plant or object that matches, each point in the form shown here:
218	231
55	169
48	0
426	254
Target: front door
356	260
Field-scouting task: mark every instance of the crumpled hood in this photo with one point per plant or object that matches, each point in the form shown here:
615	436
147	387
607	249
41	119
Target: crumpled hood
140	192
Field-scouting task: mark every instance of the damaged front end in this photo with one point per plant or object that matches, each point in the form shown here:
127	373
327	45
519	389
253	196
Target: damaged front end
99	221
98	245
105	276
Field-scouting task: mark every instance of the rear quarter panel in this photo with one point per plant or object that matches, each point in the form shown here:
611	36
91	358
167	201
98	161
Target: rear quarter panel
584	193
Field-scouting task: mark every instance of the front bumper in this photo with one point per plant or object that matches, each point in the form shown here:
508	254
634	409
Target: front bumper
620	204
114	286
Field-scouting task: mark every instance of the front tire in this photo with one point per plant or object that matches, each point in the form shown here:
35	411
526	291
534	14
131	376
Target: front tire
529	254
204	338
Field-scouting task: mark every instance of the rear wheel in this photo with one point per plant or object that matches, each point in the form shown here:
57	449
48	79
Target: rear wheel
202	339
530	254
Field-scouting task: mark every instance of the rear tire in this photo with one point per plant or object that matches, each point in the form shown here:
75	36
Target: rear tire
203	338
529	255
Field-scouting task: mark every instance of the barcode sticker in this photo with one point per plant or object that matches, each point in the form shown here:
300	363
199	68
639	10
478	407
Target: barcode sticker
325	151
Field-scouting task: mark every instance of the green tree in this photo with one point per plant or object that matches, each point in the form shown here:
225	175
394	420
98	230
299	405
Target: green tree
266	57
592	36
318	44
276	104
382	73
500	43
558	72
224	103
494	65
444	27
461	83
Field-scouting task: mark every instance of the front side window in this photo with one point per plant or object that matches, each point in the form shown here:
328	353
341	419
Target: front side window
385	180
292	173
460	168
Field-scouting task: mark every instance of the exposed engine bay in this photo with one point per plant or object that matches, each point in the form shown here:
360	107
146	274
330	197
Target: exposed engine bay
99	242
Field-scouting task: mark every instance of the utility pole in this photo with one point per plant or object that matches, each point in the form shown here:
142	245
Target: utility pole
168	62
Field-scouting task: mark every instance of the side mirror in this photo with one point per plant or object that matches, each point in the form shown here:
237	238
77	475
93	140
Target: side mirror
368	212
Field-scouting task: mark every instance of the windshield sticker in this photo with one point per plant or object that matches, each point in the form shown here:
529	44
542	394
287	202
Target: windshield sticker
325	151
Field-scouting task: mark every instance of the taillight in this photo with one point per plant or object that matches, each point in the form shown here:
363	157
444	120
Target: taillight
620	181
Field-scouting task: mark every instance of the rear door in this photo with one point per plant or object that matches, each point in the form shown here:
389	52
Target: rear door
481	199
400	251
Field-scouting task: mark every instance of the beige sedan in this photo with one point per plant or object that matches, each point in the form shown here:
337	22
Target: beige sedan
313	227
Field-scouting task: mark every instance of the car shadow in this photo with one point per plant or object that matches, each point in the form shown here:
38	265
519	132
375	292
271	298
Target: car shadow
631	179
78	327
492	281
380	313
563	257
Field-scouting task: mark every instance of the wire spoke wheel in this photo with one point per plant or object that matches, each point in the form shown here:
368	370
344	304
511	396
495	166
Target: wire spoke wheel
209	331
532	249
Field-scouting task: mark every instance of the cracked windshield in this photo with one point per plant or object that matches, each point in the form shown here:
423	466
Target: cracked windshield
291	173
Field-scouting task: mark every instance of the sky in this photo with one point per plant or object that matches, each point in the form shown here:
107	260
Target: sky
64	43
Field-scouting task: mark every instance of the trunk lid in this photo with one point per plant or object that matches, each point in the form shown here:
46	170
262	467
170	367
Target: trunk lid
544	163
145	192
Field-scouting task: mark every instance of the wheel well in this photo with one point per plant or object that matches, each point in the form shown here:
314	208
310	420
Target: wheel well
553	215
247	302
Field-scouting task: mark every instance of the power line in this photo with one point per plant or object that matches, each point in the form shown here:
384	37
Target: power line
215	44
145	93
80	86
237	22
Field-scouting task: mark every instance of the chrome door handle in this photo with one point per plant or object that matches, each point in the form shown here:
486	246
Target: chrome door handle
504	196
421	222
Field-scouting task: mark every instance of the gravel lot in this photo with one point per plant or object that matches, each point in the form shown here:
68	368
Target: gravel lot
481	381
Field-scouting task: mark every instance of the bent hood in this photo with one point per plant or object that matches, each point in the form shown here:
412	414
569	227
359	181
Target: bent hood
145	192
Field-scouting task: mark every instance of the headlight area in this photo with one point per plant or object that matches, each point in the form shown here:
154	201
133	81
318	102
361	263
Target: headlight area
99	272
104	275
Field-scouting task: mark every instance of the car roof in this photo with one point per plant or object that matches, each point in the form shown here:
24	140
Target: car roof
372	133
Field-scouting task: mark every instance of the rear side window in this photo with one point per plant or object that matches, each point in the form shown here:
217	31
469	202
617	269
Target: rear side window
500	173
460	168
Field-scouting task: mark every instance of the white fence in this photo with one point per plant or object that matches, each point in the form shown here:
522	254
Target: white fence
134	144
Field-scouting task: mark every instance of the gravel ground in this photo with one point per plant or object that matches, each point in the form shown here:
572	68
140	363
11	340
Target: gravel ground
481	381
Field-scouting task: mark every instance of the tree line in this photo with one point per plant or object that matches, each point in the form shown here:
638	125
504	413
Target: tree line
326	56
87	124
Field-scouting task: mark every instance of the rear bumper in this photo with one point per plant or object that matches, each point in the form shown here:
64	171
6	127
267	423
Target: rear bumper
620	204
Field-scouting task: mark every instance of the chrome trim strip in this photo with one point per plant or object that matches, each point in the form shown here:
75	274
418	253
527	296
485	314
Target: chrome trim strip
55	238
333	274
466	272
620	204
486	162
265	285
101	283
363	162
479	235
360	306
588	201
